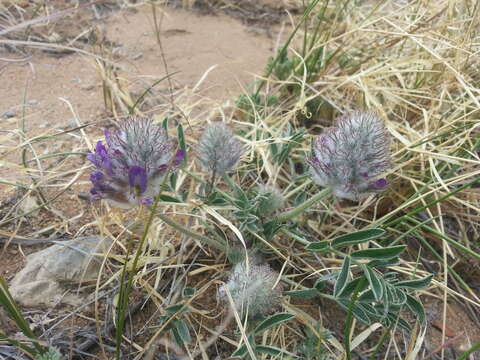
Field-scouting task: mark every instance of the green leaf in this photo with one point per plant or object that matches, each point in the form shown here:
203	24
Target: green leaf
271	321
358	237
174	308
383	263
303	294
375	283
169	199
351	287
399	296
380	253
274	351
415	284
182	330
319	284
318	246
357	311
342	277
181	141
416	308
188	292
240	352
367	297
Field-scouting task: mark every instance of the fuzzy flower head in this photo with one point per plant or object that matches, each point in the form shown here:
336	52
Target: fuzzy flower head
131	166
218	149
253	289
351	157
271	200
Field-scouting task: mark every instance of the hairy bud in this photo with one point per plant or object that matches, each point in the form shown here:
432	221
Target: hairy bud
51	354
131	166
218	150
252	289
271	200
351	157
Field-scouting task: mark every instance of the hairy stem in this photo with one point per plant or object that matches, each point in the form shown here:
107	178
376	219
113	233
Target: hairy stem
202	238
287	215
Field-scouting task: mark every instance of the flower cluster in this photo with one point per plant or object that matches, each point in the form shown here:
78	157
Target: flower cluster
351	157
218	150
131	166
253	288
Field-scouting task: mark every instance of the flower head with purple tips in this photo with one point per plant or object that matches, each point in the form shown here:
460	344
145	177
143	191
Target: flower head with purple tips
351	157
131	166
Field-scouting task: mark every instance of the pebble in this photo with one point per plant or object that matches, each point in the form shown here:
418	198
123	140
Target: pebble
8	114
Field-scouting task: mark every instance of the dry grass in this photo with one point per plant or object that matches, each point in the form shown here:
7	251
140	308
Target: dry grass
413	62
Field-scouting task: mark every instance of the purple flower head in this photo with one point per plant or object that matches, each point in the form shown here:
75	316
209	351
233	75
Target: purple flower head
218	149
131	166
351	157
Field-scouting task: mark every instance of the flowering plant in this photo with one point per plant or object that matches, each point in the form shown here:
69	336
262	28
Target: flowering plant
131	166
350	157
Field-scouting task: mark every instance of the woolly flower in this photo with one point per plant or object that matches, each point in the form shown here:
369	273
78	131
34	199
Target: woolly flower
218	150
271	200
51	354
351	157
252	289
131	166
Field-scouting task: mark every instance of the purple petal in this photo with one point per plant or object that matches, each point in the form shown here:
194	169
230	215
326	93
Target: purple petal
179	156
96	176
108	138
93	159
146	201
137	176
101	150
380	183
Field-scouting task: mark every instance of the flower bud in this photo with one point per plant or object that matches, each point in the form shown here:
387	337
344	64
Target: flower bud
131	166
271	200
253	289
351	157
218	149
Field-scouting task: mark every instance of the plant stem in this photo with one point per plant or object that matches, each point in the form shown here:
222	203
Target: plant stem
202	238
348	322
287	215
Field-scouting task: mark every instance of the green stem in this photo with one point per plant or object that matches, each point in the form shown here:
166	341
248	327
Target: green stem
380	343
467	353
202	238
349	321
287	215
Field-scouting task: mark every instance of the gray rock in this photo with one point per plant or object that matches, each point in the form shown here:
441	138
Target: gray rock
8	114
51	275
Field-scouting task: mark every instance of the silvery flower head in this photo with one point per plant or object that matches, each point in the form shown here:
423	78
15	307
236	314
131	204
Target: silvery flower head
52	354
271	200
131	166
253	289
218	149
351	157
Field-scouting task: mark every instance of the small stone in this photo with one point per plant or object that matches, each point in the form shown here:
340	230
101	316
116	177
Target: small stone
8	114
52	275
28	205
